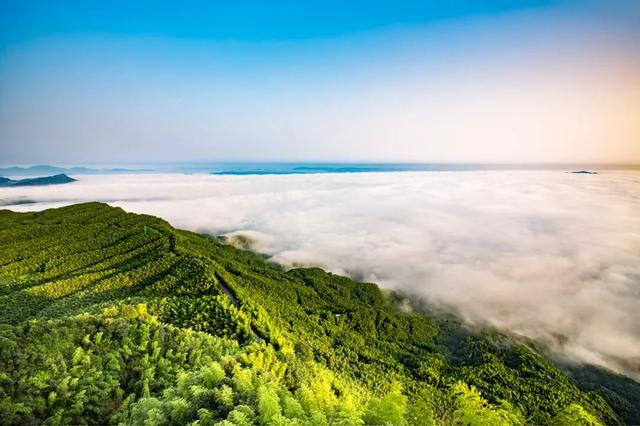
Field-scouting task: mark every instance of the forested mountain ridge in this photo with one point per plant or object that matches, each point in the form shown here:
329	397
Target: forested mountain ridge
112	317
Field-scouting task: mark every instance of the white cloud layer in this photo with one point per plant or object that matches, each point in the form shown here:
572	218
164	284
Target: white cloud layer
544	254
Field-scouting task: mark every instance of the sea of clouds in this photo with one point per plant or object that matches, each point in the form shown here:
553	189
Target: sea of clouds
544	254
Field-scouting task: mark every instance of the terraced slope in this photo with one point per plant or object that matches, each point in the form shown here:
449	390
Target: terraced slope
116	317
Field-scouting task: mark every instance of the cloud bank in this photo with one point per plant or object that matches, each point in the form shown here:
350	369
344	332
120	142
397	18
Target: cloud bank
545	254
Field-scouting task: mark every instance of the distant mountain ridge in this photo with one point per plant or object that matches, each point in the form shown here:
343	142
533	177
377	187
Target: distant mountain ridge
44	170
46	180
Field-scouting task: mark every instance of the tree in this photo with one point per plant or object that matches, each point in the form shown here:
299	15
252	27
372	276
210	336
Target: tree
472	409
576	415
388	410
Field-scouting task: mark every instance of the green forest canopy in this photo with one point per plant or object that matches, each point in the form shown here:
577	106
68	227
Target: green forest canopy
109	317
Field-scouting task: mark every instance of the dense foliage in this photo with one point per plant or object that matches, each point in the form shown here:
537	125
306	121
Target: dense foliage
110	317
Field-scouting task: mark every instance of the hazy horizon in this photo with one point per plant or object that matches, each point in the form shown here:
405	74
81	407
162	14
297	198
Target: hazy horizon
129	164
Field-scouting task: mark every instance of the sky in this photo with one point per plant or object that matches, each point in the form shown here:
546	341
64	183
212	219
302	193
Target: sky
459	81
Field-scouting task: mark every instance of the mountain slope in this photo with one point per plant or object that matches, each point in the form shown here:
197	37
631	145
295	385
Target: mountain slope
318	347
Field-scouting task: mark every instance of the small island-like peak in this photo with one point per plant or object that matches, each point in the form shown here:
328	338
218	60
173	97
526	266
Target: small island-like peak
46	180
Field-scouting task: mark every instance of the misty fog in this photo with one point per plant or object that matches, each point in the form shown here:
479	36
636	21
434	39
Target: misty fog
545	254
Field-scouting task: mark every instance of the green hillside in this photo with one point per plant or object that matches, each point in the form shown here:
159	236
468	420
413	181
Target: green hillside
108	317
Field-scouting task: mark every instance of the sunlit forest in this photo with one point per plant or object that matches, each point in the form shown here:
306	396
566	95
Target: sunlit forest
108	317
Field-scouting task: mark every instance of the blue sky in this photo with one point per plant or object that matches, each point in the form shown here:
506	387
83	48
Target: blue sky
486	81
232	20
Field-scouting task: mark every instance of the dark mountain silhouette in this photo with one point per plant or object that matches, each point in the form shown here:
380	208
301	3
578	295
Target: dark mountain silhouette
46	180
